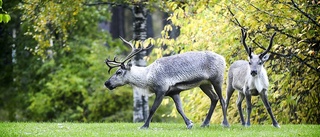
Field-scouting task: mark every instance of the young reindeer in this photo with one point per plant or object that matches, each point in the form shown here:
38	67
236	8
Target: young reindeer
250	78
168	76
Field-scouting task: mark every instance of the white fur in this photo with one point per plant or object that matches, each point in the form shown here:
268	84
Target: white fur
137	77
259	82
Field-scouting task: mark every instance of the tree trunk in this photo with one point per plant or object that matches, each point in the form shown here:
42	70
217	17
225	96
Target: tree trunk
117	22
141	107
173	34
175	29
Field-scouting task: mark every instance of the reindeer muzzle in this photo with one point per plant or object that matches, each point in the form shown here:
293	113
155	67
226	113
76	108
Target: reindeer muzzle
108	85
254	73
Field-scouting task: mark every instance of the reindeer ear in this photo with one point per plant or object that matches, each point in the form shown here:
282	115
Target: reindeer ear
122	66
129	65
265	57
250	53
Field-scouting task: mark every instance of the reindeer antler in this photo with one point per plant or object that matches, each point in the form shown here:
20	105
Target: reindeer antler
133	52
113	63
269	47
243	41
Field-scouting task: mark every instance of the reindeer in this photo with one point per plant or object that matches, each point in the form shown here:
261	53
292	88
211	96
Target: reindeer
250	78
168	76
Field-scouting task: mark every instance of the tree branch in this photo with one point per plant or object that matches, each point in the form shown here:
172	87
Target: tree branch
236	20
102	3
305	63
275	53
270	14
305	14
309	41
281	31
288	56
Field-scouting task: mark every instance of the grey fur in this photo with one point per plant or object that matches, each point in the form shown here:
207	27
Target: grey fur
168	76
249	78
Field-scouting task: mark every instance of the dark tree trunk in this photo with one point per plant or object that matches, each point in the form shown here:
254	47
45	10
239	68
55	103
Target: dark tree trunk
7	53
117	22
173	34
175	30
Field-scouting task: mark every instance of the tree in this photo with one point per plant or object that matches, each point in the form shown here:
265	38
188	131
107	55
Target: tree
140	33
10	107
142	29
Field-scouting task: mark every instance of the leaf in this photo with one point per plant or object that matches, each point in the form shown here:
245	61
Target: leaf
1	15
6	18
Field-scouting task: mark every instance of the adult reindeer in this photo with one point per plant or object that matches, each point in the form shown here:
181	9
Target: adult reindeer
168	76
250	78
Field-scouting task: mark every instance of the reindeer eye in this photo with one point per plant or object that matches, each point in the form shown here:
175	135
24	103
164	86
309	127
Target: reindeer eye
249	63
260	63
118	72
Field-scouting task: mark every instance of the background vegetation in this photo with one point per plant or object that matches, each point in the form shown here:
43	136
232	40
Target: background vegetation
53	52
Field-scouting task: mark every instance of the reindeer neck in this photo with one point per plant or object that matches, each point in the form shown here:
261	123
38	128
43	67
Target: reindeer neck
138	76
263	74
260	81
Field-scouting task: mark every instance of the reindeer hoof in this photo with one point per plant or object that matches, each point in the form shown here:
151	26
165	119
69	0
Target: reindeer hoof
205	125
243	124
144	127
276	125
225	124
189	126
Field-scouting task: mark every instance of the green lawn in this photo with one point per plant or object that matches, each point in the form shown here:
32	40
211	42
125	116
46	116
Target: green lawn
155	130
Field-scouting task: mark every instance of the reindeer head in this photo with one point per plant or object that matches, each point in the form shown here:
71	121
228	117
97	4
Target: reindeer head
256	61
120	78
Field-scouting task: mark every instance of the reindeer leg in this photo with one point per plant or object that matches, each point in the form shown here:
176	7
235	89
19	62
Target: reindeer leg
153	109
208	90
217	87
265	101
177	101
239	103
249	106
230	91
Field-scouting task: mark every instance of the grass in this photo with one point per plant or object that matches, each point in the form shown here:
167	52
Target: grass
156	129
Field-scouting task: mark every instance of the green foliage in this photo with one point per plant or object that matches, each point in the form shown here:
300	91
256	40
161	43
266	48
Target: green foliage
50	21
4	16
74	91
65	80
215	26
